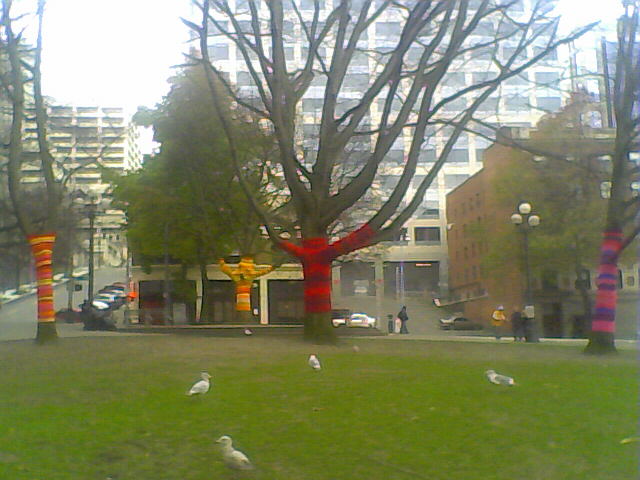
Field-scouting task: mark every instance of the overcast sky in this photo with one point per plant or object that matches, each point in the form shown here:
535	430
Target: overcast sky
120	52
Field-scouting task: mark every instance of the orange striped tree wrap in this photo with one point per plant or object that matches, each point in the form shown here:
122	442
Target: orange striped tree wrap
42	248
243	276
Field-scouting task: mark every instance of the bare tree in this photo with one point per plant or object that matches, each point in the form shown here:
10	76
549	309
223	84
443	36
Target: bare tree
22	78
622	224
411	82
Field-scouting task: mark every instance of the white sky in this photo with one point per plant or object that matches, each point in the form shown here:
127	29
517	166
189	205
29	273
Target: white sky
120	52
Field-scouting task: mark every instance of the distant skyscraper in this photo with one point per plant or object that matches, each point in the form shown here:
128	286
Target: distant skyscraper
519	102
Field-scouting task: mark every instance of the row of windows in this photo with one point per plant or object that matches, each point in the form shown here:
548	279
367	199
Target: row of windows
549	280
422	235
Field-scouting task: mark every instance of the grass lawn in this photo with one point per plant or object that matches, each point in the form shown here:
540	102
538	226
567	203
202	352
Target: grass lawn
115	407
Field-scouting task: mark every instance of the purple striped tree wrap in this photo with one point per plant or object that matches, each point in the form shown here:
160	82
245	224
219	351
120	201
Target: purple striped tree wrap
607	283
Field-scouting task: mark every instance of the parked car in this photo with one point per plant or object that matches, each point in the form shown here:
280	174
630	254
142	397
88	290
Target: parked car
340	316
106	297
361	320
458	322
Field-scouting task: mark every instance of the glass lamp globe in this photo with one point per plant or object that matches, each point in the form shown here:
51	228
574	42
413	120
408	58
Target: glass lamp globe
524	208
516	219
534	220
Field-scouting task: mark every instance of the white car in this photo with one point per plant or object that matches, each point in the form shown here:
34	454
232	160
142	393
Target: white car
361	320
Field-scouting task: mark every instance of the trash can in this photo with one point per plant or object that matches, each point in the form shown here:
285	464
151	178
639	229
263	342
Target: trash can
390	324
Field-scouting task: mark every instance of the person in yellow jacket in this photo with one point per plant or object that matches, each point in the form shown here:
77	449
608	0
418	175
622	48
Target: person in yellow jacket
497	321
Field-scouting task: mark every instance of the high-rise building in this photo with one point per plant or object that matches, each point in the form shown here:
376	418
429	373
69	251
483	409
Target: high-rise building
83	141
416	262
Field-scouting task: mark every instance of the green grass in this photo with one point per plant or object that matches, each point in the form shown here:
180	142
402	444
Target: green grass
95	408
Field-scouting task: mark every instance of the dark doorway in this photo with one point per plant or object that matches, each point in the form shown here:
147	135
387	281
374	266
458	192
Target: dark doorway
357	278
552	320
222	300
286	302
410	278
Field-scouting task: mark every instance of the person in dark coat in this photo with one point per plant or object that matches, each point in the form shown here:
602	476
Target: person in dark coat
404	318
517	325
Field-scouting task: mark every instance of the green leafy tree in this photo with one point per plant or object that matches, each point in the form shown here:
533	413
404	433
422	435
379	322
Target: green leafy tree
560	171
190	186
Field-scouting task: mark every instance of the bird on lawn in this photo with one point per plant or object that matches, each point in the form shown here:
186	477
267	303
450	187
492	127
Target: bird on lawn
248	332
201	386
498	379
314	362
231	457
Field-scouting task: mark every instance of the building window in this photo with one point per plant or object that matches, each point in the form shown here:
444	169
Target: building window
388	30
309	5
549	104
458	155
454	79
489	105
517	103
427	235
547	78
452	181
219	52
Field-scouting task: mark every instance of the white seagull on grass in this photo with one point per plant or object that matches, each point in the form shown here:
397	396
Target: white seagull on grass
498	379
201	386
314	362
248	332
231	457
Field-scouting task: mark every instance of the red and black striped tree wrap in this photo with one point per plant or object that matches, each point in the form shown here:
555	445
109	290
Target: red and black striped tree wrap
607	294
42	249
316	255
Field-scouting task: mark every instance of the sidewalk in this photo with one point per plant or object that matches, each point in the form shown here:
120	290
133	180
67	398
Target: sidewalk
621	344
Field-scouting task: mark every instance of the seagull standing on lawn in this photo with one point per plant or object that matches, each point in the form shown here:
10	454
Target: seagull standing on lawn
248	332
201	386
314	362
498	379
231	457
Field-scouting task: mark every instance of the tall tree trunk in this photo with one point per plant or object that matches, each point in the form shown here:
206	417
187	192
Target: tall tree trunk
42	248
317	295
601	339
205	307
316	255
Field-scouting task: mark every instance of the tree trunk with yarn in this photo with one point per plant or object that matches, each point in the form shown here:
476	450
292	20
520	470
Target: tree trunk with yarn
42	248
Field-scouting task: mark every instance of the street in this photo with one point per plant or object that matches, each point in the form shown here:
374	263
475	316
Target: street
18	319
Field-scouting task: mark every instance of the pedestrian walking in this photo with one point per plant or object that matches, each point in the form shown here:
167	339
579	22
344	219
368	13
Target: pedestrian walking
517	324
497	321
404	318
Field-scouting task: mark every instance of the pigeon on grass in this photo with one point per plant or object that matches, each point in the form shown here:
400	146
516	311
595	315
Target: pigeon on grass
314	362
201	386
498	379
248	332
231	457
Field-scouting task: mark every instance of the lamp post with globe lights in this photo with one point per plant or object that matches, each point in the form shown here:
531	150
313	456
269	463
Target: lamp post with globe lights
90	203
525	221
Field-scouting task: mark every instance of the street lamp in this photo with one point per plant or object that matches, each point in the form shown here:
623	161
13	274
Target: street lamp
89	202
525	220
